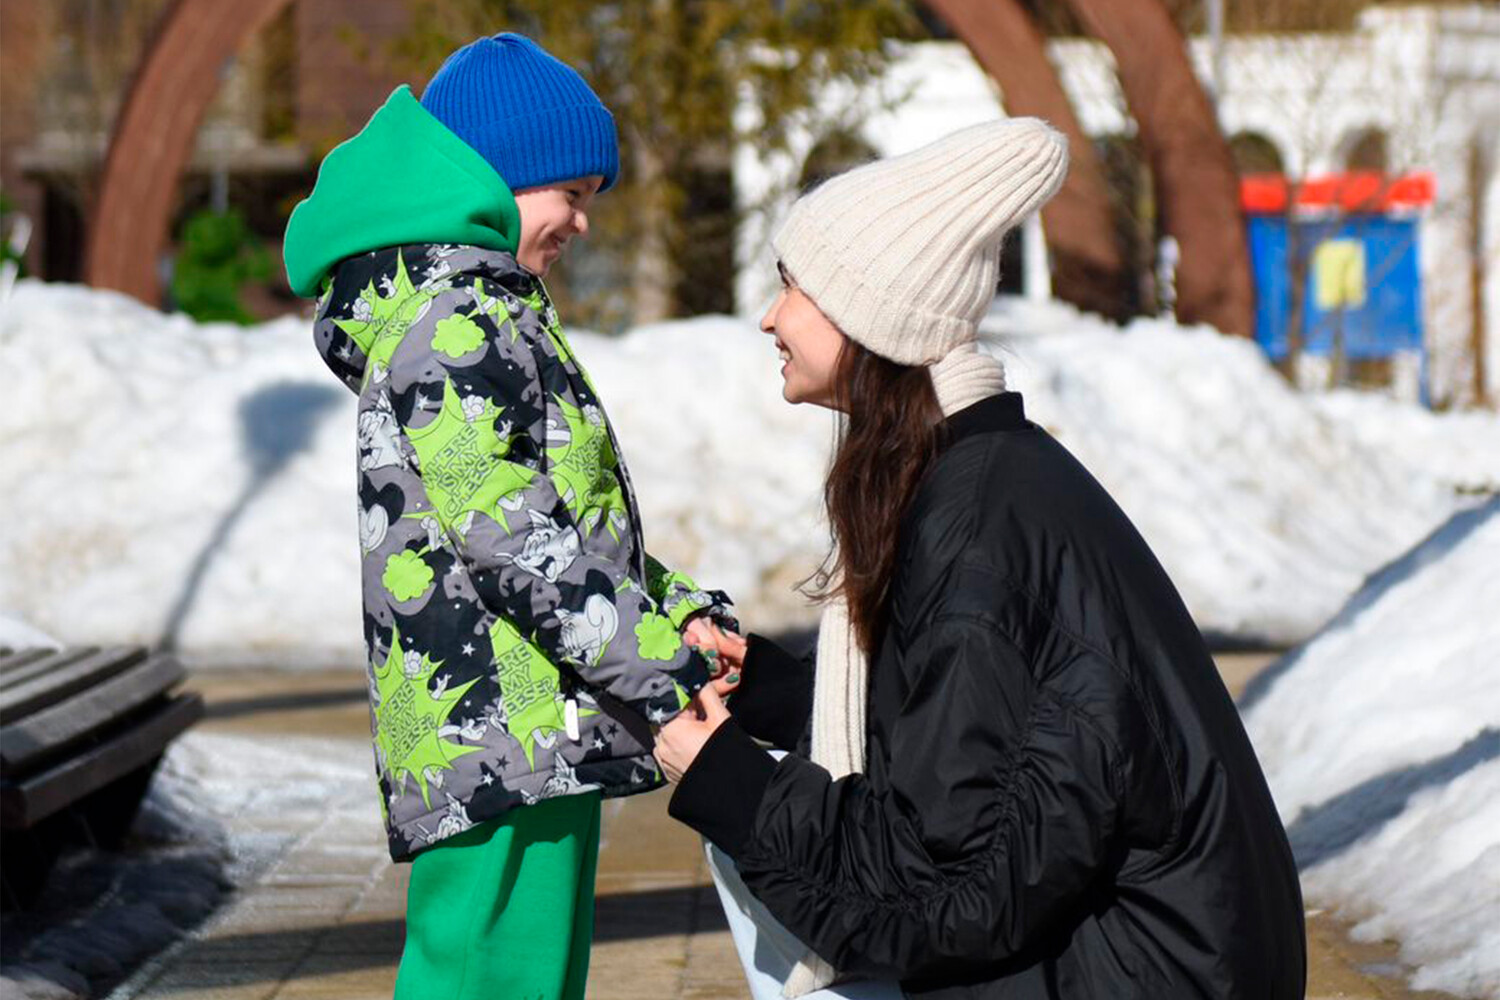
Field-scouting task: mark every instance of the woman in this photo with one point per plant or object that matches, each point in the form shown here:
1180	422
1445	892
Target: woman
1025	778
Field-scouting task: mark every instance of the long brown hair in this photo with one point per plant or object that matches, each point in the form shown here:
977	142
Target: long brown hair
889	432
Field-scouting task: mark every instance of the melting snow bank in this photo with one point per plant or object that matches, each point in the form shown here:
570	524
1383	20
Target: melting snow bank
221	810
1381	740
197	481
16	634
1267	506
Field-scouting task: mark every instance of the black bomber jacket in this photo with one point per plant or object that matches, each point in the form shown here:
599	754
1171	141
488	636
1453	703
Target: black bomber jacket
1059	798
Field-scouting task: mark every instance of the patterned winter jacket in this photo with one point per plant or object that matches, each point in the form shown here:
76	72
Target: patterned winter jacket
520	640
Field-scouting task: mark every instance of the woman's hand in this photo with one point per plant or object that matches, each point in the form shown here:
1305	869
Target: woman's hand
679	742
728	649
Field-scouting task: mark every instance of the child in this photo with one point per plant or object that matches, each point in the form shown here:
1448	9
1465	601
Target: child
1024	778
521	641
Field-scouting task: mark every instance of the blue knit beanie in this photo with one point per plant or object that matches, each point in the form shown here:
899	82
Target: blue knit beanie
529	114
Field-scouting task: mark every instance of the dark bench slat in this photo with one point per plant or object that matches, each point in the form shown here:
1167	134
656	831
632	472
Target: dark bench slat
55	729
12	660
39	692
26	803
48	661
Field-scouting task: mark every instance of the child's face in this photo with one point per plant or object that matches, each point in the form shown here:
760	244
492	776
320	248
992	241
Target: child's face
809	343
551	215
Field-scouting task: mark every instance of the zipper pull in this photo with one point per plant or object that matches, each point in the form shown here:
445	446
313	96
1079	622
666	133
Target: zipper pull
570	718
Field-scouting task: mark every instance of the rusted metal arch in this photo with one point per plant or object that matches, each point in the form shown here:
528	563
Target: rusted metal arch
153	137
1196	187
1088	269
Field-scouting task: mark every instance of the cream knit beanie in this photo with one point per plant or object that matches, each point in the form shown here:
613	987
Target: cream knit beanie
903	255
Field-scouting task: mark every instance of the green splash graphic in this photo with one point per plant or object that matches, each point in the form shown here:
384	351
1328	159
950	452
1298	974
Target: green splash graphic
408	718
583	471
528	688
389	317
463	461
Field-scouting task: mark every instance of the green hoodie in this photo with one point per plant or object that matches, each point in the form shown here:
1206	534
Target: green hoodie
405	178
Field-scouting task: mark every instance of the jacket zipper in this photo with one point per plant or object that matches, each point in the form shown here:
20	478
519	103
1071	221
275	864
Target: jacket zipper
638	555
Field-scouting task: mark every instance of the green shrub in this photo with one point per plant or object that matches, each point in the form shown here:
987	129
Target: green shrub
7	208
219	256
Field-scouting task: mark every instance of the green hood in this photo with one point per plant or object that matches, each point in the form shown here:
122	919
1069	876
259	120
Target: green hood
405	178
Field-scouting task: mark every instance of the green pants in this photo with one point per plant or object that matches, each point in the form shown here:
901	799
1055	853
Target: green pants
506	909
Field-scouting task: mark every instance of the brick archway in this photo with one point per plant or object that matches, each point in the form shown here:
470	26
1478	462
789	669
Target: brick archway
1197	191
1195	180
1088	268
153	137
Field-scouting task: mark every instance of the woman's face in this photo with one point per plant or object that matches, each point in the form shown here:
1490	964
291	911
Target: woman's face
551	215
809	344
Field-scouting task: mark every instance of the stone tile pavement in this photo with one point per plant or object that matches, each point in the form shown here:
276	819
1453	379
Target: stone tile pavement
322	918
325	921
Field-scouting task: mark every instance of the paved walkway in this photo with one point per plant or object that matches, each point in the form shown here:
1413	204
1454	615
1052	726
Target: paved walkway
322	917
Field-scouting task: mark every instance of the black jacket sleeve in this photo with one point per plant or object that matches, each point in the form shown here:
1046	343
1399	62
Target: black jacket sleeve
999	809
773	702
721	792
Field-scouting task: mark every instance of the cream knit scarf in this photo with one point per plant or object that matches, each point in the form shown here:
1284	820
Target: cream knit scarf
963	377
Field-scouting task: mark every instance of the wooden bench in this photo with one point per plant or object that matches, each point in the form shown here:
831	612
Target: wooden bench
81	732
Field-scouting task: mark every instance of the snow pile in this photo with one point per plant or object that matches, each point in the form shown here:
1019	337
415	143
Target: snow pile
197	482
1381	740
1460	449
1267	506
160	484
16	634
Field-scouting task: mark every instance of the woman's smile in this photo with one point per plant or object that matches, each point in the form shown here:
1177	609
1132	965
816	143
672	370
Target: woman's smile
807	371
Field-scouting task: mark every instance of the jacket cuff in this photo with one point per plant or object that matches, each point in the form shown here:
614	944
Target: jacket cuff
680	598
774	698
721	791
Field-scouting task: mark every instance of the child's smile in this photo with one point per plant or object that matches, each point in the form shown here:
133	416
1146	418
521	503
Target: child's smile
551	215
